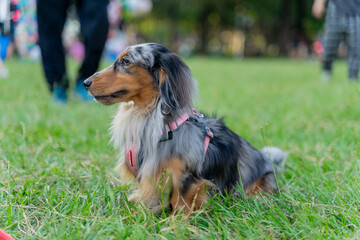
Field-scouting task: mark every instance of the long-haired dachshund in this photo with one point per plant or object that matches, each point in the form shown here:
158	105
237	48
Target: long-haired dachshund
171	150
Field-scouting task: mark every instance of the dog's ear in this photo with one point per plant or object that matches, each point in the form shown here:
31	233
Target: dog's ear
177	87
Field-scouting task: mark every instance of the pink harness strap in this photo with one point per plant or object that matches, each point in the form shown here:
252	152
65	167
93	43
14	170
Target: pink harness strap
131	158
131	149
209	133
206	144
5	236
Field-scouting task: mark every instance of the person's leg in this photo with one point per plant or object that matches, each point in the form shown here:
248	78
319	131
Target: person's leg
4	45
353	50
332	37
94	28
51	16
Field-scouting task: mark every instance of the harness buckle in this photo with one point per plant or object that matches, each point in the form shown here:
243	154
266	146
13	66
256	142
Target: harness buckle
169	135
197	113
198	118
170	132
208	131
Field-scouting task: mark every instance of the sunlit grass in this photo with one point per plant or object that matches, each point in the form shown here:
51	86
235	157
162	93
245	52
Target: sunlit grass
56	166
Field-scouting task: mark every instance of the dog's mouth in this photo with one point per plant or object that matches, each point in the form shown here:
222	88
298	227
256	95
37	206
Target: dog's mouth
104	98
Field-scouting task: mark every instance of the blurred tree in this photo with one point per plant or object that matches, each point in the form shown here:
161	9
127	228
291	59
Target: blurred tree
281	22
285	22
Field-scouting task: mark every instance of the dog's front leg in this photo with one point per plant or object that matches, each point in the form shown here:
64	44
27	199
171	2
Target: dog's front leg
189	198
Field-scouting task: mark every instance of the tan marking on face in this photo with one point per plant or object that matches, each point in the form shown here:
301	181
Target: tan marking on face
122	54
137	84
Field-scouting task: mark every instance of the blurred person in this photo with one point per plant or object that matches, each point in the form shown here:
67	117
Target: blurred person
4	39
94	28
116	41
26	34
342	20
15	15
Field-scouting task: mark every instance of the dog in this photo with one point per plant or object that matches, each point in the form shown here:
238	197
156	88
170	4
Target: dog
174	154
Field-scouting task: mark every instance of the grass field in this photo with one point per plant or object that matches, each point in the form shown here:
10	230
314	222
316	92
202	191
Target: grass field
56	166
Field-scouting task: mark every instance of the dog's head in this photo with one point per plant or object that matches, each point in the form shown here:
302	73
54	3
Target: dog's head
144	74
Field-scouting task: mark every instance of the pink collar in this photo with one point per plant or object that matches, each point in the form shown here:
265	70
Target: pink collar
175	124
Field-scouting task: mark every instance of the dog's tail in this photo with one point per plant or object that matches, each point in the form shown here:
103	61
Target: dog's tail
276	156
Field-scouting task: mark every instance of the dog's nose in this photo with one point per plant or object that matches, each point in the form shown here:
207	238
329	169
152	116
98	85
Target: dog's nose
87	83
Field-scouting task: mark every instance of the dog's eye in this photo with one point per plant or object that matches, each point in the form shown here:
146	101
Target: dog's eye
124	61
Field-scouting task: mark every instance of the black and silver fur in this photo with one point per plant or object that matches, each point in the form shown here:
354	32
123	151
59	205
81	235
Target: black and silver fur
229	160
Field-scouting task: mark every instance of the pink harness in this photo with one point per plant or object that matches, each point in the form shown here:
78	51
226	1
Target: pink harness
131	150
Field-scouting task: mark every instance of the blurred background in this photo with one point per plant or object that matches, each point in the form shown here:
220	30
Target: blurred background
232	28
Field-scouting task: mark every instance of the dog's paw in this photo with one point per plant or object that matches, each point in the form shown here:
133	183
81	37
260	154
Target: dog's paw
134	197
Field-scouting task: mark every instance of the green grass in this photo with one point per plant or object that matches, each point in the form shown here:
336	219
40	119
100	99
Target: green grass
56	166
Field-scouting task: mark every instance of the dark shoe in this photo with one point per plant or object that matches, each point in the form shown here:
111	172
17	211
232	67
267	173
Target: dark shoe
59	95
82	93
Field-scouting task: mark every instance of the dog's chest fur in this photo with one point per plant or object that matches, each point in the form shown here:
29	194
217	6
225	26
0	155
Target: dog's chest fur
132	126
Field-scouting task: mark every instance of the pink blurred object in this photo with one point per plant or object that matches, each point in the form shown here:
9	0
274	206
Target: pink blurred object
5	236
77	50
114	13
16	16
318	47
